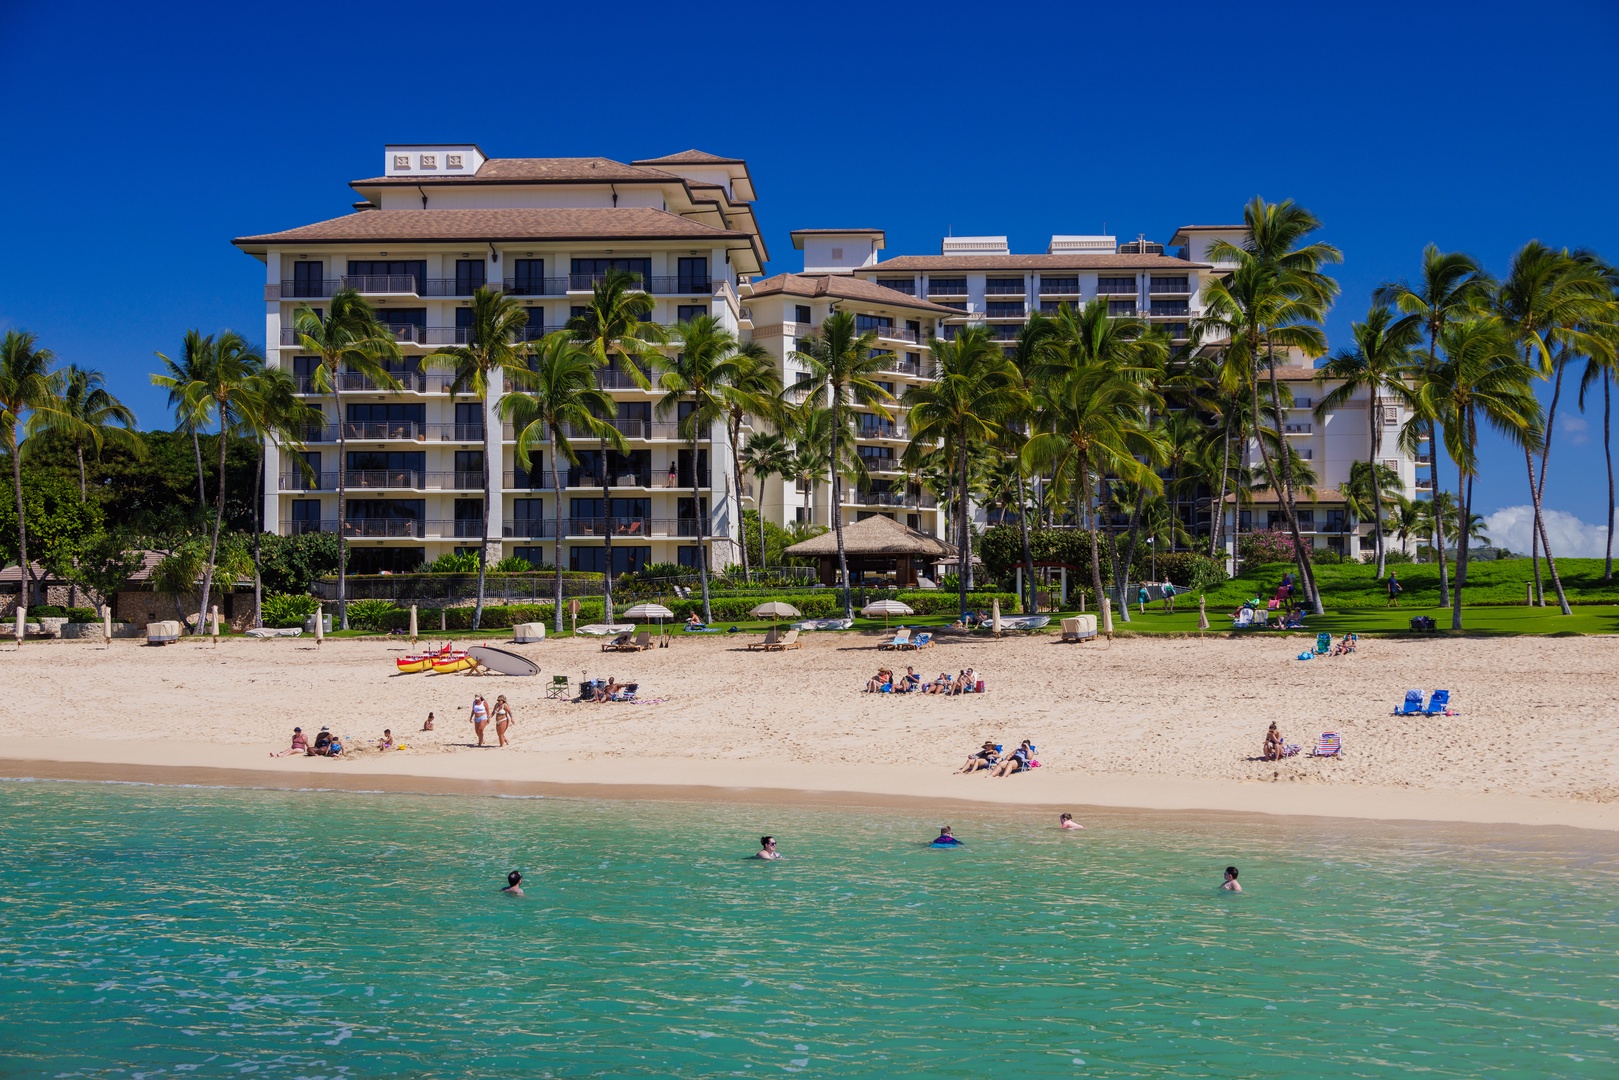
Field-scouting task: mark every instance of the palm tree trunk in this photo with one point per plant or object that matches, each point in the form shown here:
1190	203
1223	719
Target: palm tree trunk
964	556
483	546
735	434
1028	551
219	520
607	517
1433	474
1463	502
1134	534
1551	560
1607	452
258	531
1091	525
1306	567
1375	432
1540	490
700	518
1282	498
759	503
84	487
196	448
1217	519
556	538
342	505
26	577
837	505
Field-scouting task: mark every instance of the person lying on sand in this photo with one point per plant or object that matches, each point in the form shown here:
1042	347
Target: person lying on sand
1019	761
767	848
300	745
1067	822
985	758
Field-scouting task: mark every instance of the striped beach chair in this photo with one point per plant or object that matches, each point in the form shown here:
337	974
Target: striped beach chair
1328	745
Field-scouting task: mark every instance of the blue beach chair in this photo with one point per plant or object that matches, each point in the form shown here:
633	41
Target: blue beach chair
1412	706
1439	704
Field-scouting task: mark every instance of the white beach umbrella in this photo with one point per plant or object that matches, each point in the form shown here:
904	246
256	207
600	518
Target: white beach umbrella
775	609
650	611
995	616
886	608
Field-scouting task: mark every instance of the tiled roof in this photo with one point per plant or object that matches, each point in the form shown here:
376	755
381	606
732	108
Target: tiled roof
843	287
1031	262
585	170
691	157
1300	497
875	535
406	226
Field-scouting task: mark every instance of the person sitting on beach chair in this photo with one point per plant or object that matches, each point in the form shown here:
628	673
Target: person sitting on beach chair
1021	760
941	685
911	683
1276	748
880	683
985	758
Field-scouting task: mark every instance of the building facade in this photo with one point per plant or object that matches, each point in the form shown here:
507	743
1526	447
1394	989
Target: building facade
436	224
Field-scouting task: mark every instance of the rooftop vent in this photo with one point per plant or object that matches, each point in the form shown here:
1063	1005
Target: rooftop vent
1095	245
974	245
1141	246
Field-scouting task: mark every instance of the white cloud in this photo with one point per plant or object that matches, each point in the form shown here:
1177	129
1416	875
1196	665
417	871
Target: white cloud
1575	429
1510	527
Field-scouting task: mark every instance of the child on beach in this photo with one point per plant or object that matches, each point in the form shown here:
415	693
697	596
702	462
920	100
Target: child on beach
387	740
429	725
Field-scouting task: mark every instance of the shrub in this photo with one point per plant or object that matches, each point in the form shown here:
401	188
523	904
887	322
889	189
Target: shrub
371	614
950	583
47	611
1266	546
1325	557
454	563
1189	570
83	614
511	564
287	609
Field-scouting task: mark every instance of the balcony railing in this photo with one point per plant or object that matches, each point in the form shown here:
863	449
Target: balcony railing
387	432
292	289
390	528
898	333
384	479
1004	331
406	334
914	368
652	479
947	287
903	285
678	285
1169	307
1169	285
1059	286
881	431
416	382
890	498
614	379
1296	429
1004	288
619	528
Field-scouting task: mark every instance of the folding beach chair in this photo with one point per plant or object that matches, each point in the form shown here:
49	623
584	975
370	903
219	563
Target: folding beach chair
1328	745
922	641
1439	704
1244	619
1412	706
1323	644
559	687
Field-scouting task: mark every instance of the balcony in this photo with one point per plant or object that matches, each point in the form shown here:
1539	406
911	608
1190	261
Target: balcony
947	286
897	333
390	528
385	480
881	430
619	528
653	480
405	432
1115	288
890	498
615	379
404	334
913	368
1005	288
678	285
409	382
901	285
1170	286
1059	286
1169	307
533	286
1297	429
1005	331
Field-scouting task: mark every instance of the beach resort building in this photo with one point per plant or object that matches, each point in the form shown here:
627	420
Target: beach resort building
436	223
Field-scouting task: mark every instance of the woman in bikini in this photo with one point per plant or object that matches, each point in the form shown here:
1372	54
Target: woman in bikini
503	719
1275	749
480	716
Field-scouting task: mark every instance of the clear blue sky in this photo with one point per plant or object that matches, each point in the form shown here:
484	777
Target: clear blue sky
140	139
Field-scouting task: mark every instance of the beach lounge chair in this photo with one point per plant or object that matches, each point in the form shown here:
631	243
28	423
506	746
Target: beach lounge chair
789	640
1439	704
643	640
618	644
769	642
922	641
901	639
1328	745
1411	706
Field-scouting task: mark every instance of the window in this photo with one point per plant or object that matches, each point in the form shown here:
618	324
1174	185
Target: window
1106	285
1245	519
528	517
692	275
683	468
1121	307
1170	307
469	468
312	479
1003	286
387	275
882	324
913	329
528	277
534	329
380	413
469	276
626	560
1004	309
692	524
305	516
376	467
468	517
534	556
395	560
801	313
397	317
905	285
688	312
463	325
690	556
308	279
1168	284
1059	284
947	286
408	511
468	420
586	272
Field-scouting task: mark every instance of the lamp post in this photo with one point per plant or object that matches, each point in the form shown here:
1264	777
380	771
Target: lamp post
1153	548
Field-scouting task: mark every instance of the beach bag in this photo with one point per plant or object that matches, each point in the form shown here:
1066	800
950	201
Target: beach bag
979	688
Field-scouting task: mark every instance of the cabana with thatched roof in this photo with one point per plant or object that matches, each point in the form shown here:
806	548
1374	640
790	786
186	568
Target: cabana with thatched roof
879	549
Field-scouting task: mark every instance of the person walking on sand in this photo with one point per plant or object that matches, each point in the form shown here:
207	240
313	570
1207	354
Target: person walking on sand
1067	822
1395	589
480	716
503	719
1230	882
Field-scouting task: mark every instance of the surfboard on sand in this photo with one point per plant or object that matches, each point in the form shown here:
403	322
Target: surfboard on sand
507	663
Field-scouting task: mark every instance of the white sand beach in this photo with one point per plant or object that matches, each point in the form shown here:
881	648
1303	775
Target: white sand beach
1161	723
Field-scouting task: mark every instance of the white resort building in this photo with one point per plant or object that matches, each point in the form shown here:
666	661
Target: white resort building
442	220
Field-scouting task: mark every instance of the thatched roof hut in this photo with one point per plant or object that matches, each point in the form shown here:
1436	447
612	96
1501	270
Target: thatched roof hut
879	550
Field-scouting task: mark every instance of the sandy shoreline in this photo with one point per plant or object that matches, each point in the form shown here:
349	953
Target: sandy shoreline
1159	725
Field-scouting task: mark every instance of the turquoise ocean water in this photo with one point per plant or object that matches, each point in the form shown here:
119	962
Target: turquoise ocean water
166	932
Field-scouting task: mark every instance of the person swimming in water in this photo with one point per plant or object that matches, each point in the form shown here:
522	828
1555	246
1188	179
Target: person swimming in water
1067	822
514	884
1230	882
946	838
767	848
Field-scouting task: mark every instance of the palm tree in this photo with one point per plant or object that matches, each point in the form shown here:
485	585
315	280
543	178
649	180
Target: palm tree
754	391
30	400
1372	486
697	375
1407	519
1601	367
843	364
351	345
767	454
1480	375
810	458
614	326
489	358
196	356
1090	423
1275	299
213	399
976	388
1036	339
1377	366
91	415
1547	303
559	394
1452	287
270	408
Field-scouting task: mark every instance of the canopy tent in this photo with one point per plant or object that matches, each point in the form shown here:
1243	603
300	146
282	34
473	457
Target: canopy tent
874	547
